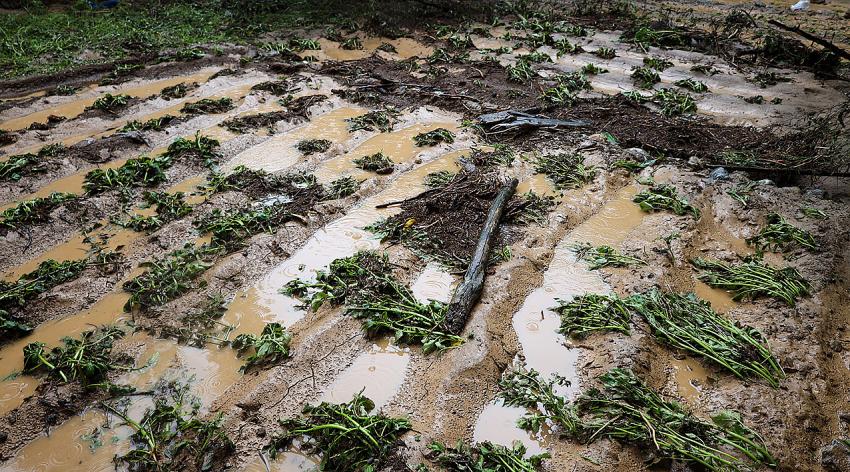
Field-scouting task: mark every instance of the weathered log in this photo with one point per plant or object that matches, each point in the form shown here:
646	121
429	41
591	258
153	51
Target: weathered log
469	291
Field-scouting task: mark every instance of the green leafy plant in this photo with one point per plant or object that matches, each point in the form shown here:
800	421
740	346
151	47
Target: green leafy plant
434	137
741	193
592	69
230	229
351	44
566	171
341	188
173	92
673	102
47	275
207	106
32	211
752	279
169	277
347	435
110	103
374	120
153	124
657	63
685	322
20	165
169	207
692	85
199	147
664	197
520	72
588	313
271	347
485	457
566	89
144	171
379	163
813	213
564	47
604	256
527	389
312	146
645	77
10	327
605	53
439	179
87	359
780	236
172	435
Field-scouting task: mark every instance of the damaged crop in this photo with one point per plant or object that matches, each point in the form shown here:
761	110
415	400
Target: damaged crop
692	85
153	124
372	121
438	179
566	90
341	188
309	147
169	207
588	313
378	163
87	359
229	229
270	347
752	278
566	171
434	137
36	210
347	436
645	77
604	256
110	103
208	106
485	457
664	197
47	275
144	171
780	236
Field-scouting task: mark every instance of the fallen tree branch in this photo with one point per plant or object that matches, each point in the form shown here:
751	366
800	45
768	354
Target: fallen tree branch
817	39
469	291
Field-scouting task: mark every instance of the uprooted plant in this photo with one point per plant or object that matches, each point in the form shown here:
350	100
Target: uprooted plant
752	278
341	188
312	146
270	347
110	103
169	207
378	163
372	121
172	435
566	171
685	322
208	106
144	171
434	137
87	359
664	197
588	313
780	236
366	286
485	457
604	256
347	436
36	210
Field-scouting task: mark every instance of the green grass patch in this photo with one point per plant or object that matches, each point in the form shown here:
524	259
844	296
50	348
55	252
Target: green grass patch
365	285
168	277
752	279
434	137
589	313
208	106
604	256
780	236
378	163
485	457
309	147
347	436
565	171
270	347
32	211
664	197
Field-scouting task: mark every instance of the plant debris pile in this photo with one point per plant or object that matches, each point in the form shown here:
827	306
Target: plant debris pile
36	210
665	197
270	347
566	171
588	313
604	256
752	278
347	436
208	106
87	359
378	163
780	236
485	457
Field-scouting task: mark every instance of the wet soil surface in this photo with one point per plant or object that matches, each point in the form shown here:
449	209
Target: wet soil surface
280	101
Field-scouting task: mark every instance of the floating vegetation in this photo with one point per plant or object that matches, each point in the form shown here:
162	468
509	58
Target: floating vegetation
520	72
351	44
110	102
374	120
692	85
271	347
208	106
347	436
174	92
741	193
439	179
144	171
364	283
169	207
378	163
664	197
434	137
309	147
592	69
172	434
566	171
485	457
645	77
153	124
566	89
657	63
604	256
752	279
230	229
341	188
605	53
169	277
588	313
36	210
780	236
685	322
47	275
86	359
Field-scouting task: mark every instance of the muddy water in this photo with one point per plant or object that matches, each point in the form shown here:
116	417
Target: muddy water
397	145
498	424
434	283
289	461
75	107
405	49
690	376
209	371
537	183
340	238
279	152
378	372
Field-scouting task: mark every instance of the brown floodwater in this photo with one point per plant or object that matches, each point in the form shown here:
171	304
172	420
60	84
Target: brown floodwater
378	372
497	423
690	376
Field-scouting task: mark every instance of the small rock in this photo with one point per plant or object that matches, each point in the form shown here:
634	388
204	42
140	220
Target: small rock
818	193
261	433
766	183
718	174
3	436
835	456
639	153
695	161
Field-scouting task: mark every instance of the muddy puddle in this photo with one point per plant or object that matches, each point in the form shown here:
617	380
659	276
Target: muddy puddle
498	424
690	377
378	373
343	237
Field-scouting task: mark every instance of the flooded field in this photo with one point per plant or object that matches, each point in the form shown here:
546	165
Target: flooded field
249	260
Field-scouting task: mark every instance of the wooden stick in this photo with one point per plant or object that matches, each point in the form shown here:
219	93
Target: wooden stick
826	44
469	291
